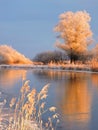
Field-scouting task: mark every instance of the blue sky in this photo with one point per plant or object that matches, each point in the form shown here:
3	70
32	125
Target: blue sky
27	25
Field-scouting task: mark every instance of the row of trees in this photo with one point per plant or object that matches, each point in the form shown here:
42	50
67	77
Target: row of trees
47	57
60	56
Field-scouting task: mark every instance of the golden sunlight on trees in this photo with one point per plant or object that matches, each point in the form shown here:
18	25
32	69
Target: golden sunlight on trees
75	33
8	55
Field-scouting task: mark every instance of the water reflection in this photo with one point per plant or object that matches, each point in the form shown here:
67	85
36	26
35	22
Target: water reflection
75	102
95	80
9	77
73	93
51	74
74	98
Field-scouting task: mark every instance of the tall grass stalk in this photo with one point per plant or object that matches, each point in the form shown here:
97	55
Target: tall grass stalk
29	109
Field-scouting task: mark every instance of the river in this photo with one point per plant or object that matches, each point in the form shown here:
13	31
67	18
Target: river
75	94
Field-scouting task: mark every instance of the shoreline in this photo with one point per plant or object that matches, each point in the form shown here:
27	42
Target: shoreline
69	67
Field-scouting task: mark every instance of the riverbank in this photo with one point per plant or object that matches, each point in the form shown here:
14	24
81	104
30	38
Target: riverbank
66	67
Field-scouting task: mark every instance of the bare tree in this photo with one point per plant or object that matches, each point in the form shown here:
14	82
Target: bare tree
54	56
74	33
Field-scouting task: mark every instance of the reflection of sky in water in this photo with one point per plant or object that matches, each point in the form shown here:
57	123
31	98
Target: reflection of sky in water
74	94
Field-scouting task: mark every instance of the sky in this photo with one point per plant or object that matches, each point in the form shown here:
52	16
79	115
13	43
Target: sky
27	25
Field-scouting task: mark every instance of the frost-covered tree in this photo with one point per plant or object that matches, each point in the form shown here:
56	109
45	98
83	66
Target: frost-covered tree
74	33
8	55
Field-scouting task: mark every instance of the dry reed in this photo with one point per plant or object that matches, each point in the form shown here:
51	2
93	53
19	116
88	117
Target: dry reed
28	110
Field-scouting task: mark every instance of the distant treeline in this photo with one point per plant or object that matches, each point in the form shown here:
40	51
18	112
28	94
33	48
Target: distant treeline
60	56
48	56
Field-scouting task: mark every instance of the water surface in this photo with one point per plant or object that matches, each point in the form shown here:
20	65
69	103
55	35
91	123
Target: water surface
75	94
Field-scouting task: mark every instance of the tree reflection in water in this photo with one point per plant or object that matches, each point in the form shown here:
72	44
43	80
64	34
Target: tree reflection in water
74	97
